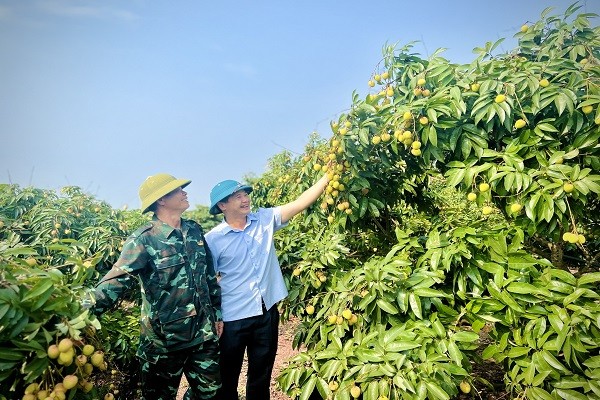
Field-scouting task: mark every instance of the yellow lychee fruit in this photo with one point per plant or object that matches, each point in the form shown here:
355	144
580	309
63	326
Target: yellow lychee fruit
484	187
88	386
32	388
65	358
486	210
568	187
544	82
70	381
353	319
472	196
515	207
347	313
465	387
88	368
80	360
524	28
421	81
88	350
42	395
520	123
53	351
500	98
97	359
355	391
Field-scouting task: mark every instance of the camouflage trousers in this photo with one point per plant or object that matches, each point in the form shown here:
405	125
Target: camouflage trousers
160	374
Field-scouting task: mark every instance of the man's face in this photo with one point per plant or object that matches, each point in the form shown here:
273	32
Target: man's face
238	202
176	200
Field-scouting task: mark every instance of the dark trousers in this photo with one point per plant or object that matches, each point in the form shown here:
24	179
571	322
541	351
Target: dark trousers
161	375
258	336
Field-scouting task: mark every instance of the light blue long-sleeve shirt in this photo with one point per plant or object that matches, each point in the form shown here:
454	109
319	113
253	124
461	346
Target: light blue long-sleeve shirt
248	265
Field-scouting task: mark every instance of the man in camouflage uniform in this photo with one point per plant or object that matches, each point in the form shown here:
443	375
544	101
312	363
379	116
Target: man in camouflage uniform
181	300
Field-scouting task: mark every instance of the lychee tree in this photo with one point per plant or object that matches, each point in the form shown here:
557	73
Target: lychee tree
52	249
462	203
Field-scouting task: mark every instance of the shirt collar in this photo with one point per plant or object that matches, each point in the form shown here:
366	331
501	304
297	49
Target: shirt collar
227	228
166	230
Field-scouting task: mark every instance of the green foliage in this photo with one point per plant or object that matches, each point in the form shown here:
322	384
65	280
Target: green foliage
53	248
399	279
201	215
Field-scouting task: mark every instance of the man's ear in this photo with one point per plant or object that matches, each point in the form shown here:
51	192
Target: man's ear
221	206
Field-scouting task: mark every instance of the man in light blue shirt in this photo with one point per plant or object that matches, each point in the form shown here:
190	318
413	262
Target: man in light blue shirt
251	282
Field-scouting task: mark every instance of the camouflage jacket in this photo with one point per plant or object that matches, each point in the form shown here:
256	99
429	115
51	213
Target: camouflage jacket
181	299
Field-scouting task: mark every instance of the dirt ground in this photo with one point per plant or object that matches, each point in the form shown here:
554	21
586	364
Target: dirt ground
284	353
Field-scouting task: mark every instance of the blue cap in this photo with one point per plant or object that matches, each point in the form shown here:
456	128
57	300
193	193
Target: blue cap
222	190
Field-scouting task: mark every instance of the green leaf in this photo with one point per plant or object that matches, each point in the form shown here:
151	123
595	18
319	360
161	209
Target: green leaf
517	352
387	306
465	336
571	394
428	292
455	353
436	392
432	134
536	393
553	362
592	362
401	346
10	354
308	388
489	352
40	287
372	391
415	305
570	382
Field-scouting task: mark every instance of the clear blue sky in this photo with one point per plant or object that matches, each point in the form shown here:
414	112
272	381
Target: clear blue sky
102	93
